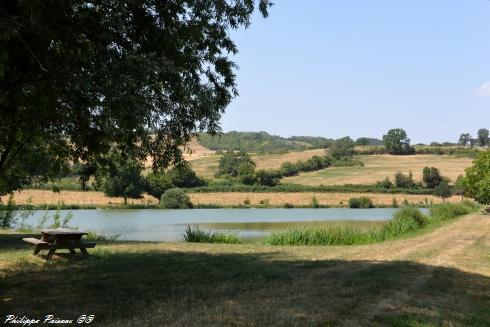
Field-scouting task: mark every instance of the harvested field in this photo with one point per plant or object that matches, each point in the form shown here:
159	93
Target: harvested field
303	199
377	167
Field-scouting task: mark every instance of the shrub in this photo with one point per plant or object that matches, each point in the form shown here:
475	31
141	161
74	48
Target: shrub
288	205
184	176
386	183
157	184
404	181
361	202
175	198
196	235
266	177
443	190
314	202
431	177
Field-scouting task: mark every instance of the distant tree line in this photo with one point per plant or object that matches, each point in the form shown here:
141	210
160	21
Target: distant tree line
482	139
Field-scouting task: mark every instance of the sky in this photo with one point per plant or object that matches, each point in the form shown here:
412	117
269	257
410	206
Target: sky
360	67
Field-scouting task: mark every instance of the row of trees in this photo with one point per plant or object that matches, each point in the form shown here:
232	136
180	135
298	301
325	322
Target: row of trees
482	138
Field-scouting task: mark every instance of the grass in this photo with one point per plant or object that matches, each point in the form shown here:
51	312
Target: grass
407	219
377	167
196	235
154	284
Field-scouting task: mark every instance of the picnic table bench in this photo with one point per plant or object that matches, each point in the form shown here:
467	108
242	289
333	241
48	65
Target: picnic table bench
56	239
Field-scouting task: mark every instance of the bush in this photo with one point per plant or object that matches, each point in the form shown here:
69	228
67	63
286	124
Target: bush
184	176
314	202
361	202
157	184
431	177
404	181
175	198
196	235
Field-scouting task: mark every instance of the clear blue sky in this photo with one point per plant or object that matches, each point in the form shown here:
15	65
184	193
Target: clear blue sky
359	67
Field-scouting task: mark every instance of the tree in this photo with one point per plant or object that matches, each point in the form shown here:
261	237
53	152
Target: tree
175	198
157	183
362	141
184	176
267	178
122	177
431	177
397	142
342	148
79	77
465	139
234	164
483	137
459	186
443	190
477	180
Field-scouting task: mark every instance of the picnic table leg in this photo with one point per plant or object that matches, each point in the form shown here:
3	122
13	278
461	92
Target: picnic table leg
84	251
72	251
50	253
37	249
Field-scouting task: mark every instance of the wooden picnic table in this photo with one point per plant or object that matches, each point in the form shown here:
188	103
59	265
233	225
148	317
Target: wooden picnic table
55	239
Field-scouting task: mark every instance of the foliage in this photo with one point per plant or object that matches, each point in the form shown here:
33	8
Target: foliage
196	235
175	198
256	142
483	137
121	177
314	202
365	141
312	164
431	177
385	183
234	164
157	183
465	139
8	217
444	211
266	177
93	236
77	78
361	202
184	176
477	180
316	142
405	220
404	181
397	142
443	190
342	148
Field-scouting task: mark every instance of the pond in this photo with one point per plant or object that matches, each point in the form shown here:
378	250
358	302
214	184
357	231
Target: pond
169	225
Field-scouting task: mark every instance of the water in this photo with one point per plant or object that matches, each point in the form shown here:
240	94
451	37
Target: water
168	225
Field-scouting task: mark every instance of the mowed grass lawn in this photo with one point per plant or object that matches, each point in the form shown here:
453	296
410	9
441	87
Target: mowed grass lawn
377	167
441	278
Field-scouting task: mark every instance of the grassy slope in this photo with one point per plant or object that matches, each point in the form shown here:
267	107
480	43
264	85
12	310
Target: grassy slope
207	166
377	167
439	278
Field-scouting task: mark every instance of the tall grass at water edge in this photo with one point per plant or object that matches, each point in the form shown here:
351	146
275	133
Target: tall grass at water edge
405	220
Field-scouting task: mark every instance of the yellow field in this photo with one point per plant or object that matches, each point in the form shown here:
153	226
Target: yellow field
332	199
377	167
40	197
207	165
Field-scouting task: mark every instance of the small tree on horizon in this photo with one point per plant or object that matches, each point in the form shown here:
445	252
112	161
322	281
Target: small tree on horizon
483	137
397	142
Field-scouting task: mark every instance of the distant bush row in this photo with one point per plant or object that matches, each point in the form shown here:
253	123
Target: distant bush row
434	150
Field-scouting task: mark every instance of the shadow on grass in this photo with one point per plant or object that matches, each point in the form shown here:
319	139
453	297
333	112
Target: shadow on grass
156	288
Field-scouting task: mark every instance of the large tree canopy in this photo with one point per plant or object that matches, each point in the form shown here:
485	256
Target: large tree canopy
79	77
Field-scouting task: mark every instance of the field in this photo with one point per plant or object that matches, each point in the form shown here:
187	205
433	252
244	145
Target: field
440	278
207	166
42	197
377	167
304	198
